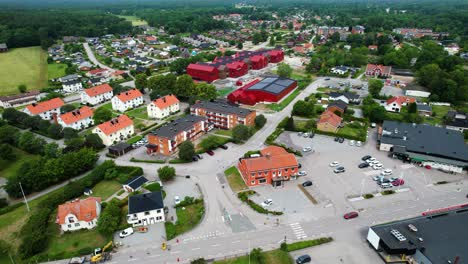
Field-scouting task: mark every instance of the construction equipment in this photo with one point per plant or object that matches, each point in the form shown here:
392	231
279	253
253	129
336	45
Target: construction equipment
101	255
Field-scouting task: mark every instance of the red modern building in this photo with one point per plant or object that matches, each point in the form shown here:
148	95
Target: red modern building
237	69
276	56
271	89
258	62
203	72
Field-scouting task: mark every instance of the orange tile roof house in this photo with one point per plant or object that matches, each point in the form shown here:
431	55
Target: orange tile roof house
78	119
274	166
115	130
47	110
395	104
97	94
329	122
79	214
127	100
163	106
378	70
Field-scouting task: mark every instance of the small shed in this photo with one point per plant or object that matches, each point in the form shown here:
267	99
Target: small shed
134	184
120	149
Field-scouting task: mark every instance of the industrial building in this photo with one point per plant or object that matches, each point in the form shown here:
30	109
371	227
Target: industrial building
270	89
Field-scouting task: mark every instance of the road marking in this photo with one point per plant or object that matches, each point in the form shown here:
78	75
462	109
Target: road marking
216	245
132	259
175	252
195	248
298	231
237	241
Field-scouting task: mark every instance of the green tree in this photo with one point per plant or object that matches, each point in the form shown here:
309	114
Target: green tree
32	122
109	220
241	133
28	142
205	91
335	37
284	70
52	150
101	115
184	86
94	141
141	81
163	84
69	133
290	126
22	88
257	255
272	41
375	86
6	152
260	121
240	45
412	108
303	108
166	173
67	108
55	131
256	38
290	26
209	143
186	150
427	73
9	135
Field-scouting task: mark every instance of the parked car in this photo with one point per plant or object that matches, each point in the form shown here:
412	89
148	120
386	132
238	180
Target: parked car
302	173
327	79
392	179
339	170
307	183
366	157
350	215
311	135
351	142
341	140
224	147
358	143
126	232
304	258
267	203
363	165
307	149
299	134
383	180
334	164
398	182
377	166
386	172
176	200
194	158
337	139
377	178
370	160
386	185
210	152
306	135
199	156
373	125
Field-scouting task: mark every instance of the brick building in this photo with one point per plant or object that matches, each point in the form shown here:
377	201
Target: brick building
223	115
274	166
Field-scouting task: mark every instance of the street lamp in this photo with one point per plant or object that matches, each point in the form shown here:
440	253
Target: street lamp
24	196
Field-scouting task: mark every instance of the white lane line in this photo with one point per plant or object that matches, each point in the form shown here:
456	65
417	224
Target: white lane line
195	248
237	241
216	245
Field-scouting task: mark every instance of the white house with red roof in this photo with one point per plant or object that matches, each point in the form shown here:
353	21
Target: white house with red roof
78	119
99	73
127	100
97	94
79	214
395	104
378	70
46	110
115	130
163	106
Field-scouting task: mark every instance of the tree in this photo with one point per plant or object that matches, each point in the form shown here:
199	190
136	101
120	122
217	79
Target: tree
284	70
335	37
426	74
240	45
101	115
55	131
241	133
69	133
141	81
184	86
67	108
9	135
209	143
52	150
73	144
166	173
290	126
290	26
186	150
32	122
256	38
412	108
163	84
257	255
375	86
22	88
260	121
205	91
28	142
94	141
109	220
6	152
272	41
303	108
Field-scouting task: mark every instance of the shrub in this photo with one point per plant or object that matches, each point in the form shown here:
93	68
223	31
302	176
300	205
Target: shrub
179	161
388	192
368	196
170	230
147	161
244	197
260	121
166	173
153	187
308	243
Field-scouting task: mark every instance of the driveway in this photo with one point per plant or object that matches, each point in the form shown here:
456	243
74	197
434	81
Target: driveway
156	235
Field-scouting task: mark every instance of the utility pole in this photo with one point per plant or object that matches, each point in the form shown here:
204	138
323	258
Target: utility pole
24	196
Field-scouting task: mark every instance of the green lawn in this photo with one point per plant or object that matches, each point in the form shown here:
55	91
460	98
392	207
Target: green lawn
134	139
285	102
9	168
349	131
235	179
141	113
135	20
23	66
56	70
224	132
105	189
440	111
187	218
224	92
271	257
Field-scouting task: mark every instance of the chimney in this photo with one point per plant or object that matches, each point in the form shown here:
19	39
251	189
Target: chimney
268	156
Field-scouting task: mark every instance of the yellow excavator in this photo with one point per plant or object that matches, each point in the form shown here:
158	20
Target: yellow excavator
101	255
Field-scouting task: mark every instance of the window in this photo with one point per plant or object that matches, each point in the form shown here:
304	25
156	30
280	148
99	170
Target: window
77	224
262	181
158	218
252	182
134	215
158	211
252	174
71	219
285	170
147	213
69	226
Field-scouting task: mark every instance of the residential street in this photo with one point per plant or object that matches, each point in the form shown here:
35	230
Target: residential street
93	59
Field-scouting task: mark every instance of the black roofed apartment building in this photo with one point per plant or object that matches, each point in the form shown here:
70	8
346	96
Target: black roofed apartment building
223	114
166	139
145	209
427	145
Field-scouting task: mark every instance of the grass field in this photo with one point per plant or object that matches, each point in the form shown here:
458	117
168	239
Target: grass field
56	70
9	168
135	20
141	112
187	219
235	179
224	92
105	189
23	66
224	132
285	102
271	257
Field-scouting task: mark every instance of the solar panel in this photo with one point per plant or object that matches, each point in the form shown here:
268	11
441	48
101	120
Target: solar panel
398	235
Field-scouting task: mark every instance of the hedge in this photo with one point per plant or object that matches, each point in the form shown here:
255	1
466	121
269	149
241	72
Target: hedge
188	200
388	192
10	208
147	161
362	139
178	161
305	244
244	197
368	196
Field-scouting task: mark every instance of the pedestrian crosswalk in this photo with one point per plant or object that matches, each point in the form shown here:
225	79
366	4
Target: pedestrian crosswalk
298	231
204	236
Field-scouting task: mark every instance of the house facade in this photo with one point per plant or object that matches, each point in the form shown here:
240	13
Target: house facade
47	110
163	107
127	100
145	209
395	104
19	99
166	139
274	166
72	86
97	94
79	214
223	115
78	119
115	130
378	70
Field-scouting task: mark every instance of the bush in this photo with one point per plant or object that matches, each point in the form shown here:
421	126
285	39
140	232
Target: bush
244	197
307	243
179	161
147	161
198	261
170	230
186	151
388	192
166	173
260	121
153	187
368	196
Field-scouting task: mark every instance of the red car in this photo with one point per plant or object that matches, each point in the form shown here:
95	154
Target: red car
210	152
350	215
398	182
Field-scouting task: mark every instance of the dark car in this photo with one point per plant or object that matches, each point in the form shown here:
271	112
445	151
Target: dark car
303	259
224	147
350	215
210	152
339	170
337	139
299	165
363	165
307	183
341	140
366	157
194	158
311	135
327	79
383	180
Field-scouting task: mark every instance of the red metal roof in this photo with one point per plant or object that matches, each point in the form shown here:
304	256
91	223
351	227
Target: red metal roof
201	67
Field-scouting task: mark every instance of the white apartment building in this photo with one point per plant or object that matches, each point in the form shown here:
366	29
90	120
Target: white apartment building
97	94
78	119
115	130
127	100
163	107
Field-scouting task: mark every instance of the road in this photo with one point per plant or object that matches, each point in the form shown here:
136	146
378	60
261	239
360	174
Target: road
93	59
